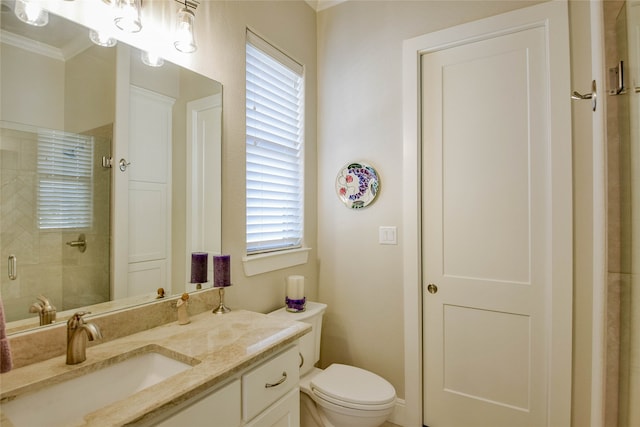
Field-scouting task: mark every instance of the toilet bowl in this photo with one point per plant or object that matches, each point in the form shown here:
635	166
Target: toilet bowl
341	395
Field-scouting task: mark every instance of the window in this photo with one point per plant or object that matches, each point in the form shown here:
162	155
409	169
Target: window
65	180
274	140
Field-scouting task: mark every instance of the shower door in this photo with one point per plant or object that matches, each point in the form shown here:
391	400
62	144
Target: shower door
54	221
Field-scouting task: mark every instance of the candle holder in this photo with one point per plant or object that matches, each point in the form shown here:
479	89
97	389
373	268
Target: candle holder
221	309
296	305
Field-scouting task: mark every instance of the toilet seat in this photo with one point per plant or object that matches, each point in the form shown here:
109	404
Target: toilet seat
354	388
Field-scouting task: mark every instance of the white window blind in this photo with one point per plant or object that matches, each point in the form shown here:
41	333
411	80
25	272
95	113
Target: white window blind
274	84
65	180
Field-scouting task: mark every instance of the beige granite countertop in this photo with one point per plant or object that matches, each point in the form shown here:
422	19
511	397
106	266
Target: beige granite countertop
218	346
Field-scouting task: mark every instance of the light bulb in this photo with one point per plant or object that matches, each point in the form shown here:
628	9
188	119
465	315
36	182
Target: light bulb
31	13
151	59
102	39
185	40
128	16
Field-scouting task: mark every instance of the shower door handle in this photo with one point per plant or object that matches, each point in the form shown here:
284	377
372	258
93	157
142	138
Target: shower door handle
12	268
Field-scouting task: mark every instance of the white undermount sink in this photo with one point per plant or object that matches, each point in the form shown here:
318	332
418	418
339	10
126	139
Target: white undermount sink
66	403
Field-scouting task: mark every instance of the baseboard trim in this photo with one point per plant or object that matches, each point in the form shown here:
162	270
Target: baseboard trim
399	413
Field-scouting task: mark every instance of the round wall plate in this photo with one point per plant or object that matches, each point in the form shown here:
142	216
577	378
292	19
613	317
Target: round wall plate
357	185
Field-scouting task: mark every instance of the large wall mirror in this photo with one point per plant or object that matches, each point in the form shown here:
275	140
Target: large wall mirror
110	172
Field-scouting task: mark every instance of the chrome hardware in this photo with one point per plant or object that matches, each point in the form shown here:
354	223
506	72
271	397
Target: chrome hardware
45	310
78	331
81	243
283	379
593	96
12	268
616	79
301	360
107	162
431	288
124	164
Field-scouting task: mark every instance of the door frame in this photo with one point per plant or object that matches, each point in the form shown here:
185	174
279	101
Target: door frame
554	17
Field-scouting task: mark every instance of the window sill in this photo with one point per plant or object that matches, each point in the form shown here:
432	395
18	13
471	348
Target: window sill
264	263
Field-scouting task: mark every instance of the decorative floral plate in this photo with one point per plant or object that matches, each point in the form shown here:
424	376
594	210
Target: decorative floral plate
357	185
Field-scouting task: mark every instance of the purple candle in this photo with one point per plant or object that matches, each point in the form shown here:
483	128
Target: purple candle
221	271
199	267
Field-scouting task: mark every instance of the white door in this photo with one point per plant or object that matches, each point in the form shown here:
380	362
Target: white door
204	189
496	227
141	209
150	127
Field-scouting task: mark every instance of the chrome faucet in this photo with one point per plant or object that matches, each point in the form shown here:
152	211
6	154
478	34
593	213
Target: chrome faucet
77	333
45	310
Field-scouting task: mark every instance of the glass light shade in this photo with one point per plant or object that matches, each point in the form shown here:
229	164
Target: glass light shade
185	40
128	16
151	59
102	39
29	12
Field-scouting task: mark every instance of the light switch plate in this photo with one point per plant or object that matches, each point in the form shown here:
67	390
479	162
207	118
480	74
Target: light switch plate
387	235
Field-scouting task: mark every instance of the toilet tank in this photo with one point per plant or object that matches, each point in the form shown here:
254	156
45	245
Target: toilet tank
309	344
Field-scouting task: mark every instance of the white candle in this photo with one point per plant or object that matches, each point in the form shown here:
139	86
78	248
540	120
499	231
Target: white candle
295	287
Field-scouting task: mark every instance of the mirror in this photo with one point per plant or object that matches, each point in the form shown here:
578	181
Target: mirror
110	172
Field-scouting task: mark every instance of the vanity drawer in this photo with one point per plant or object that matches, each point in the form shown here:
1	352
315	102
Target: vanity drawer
268	382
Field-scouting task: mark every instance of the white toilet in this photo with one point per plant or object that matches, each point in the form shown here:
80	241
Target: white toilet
341	395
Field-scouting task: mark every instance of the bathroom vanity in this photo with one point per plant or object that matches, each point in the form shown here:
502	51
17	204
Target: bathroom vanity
236	369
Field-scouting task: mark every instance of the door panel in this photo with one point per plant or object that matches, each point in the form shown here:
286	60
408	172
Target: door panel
487	233
485	163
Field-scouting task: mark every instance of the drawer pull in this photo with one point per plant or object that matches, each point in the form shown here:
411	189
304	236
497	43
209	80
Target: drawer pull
283	379
301	360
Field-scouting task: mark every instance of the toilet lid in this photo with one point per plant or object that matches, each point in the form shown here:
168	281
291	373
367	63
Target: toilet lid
348	384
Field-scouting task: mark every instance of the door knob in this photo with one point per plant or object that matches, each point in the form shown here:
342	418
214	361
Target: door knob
432	288
124	164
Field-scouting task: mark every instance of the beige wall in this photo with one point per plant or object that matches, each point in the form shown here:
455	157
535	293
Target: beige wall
220	33
360	118
42	105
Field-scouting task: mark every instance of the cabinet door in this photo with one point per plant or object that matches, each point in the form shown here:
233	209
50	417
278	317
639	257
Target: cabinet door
218	409
284	413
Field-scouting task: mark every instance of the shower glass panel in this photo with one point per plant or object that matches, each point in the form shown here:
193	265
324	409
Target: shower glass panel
54	217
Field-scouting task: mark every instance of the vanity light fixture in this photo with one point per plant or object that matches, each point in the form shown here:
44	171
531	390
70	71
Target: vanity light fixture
151	59
29	12
128	15
102	39
185	40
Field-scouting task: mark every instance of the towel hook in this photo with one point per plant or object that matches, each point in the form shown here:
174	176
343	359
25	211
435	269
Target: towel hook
593	96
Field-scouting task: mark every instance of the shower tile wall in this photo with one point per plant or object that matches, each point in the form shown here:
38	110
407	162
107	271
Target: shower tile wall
619	224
